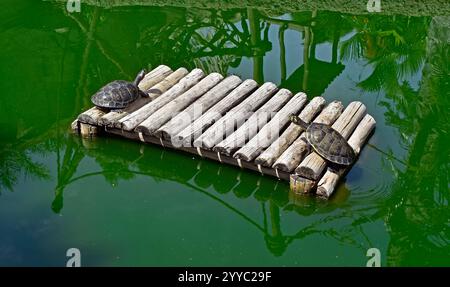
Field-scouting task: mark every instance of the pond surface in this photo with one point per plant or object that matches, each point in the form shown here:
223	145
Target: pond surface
123	203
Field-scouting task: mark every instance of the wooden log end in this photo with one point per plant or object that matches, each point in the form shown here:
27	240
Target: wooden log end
311	167
328	182
88	118
223	150
87	130
300	184
183	141
104	122
306	172
203	143
267	162
142	129
241	156
75	126
163	134
124	125
281	166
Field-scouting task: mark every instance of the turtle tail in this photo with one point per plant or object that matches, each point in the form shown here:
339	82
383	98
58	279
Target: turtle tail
139	77
298	121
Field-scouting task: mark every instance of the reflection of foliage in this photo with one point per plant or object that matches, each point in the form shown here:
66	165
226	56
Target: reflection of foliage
211	39
422	189
15	162
115	170
394	46
418	204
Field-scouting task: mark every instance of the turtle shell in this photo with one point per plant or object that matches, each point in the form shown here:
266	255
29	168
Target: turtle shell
330	144
116	95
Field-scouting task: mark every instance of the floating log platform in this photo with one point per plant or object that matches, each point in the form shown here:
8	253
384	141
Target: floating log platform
234	122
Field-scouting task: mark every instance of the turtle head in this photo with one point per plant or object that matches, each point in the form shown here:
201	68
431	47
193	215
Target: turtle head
298	121
139	77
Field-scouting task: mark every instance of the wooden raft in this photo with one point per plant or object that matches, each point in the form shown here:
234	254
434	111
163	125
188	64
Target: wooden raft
234	122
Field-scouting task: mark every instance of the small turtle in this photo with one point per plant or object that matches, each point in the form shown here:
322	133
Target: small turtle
119	94
327	142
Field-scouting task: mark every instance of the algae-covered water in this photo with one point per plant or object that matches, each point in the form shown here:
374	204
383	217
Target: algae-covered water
123	203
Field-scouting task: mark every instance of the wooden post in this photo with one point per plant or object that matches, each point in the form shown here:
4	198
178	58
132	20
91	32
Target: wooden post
93	115
87	130
129	122
194	130
281	32
112	118
164	114
235	117
271	154
329	180
299	184
199	107
292	156
313	165
253	124
255	39
75	126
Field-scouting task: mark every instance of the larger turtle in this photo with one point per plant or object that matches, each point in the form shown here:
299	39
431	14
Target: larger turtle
327	142
119	94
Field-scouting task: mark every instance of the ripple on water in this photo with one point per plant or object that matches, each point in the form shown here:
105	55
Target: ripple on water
368	183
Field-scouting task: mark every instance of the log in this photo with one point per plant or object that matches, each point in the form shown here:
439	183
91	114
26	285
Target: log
313	165
194	130
93	115
256	121
269	156
130	122
350	118
153	77
293	155
235	117
199	107
171	80
112	118
299	184
164	114
271	131
329	180
75	126
87	130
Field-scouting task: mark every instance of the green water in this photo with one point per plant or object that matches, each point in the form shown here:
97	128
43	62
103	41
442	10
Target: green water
123	203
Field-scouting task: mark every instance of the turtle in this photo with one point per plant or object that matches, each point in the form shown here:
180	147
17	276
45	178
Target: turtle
327	142
119	94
